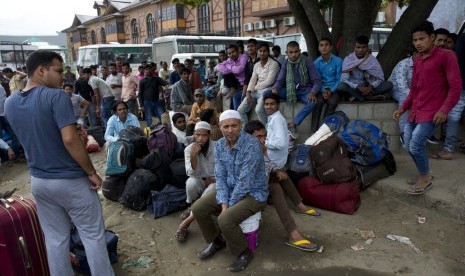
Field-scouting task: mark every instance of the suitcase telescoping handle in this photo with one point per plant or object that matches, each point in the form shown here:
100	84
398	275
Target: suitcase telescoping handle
26	256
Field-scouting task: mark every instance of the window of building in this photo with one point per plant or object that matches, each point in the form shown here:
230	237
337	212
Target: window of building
92	37
204	18
233	17
135	31
103	36
150	26
171	12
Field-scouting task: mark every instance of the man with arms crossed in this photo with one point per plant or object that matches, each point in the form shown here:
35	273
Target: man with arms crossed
63	180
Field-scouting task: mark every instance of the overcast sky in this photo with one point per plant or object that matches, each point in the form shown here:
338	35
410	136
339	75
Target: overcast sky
40	17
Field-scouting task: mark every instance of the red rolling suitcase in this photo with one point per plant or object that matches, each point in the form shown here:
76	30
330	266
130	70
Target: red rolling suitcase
22	244
340	197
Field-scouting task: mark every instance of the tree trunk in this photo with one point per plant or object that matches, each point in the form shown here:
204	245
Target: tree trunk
400	38
359	17
304	23
316	19
337	23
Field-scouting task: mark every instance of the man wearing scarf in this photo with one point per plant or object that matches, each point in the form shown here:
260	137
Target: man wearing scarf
302	83
362	77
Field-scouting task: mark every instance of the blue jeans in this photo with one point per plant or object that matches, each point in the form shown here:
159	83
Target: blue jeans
152	108
4	125
237	99
132	105
257	101
105	113
415	139
453	124
301	95
403	120
91	112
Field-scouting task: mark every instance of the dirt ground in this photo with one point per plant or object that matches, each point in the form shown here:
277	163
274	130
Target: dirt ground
439	239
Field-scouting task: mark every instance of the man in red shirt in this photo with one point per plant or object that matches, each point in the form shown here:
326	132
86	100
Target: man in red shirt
435	90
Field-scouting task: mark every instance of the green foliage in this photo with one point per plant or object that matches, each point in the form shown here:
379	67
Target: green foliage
192	3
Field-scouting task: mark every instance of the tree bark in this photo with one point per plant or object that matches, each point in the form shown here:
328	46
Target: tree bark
316	19
400	38
304	23
337	22
359	17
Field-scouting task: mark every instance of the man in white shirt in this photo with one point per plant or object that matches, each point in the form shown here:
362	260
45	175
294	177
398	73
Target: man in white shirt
107	99
277	140
263	77
115	81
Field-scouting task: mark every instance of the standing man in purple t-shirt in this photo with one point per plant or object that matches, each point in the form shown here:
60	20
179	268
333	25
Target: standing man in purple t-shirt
435	90
63	180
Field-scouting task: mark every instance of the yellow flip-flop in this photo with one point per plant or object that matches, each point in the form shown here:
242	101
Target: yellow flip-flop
311	212
303	245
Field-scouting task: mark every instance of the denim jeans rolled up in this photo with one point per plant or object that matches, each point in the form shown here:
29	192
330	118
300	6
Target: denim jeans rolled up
415	139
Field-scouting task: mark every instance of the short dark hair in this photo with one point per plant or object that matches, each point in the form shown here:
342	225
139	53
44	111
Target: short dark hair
67	66
454	37
326	39
115	105
252	40
233	46
118	58
183	70
175	60
87	70
362	39
222	52
103	67
141	67
252	126
277	48
93	67
7	70
441	31
424	26
292	44
206	115
112	64
271	96
176	116
125	64
68	85
188	60
41	58
263	44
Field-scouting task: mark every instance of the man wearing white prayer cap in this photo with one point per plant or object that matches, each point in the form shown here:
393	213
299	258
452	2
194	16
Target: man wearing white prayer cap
241	191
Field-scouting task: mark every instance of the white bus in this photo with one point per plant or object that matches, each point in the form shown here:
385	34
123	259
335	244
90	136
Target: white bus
14	55
104	54
166	46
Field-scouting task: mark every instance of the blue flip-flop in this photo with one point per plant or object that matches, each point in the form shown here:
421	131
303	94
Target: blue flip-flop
419	190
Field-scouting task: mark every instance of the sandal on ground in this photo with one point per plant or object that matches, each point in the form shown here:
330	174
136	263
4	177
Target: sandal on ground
413	180
185	214
181	234
311	212
441	156
418	190
304	245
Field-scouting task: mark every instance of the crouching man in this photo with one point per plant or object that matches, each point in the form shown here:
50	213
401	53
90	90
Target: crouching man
242	191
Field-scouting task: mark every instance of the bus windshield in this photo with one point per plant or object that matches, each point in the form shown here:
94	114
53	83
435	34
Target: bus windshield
103	55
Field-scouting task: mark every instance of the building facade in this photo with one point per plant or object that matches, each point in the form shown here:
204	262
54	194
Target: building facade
140	21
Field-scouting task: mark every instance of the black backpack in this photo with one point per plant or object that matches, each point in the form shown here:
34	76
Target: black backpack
178	173
136	194
113	187
158	162
138	139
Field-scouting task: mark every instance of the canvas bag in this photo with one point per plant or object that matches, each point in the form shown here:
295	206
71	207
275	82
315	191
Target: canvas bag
169	200
120	158
299	159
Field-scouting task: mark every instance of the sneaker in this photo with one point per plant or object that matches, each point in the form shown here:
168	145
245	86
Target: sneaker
293	133
433	140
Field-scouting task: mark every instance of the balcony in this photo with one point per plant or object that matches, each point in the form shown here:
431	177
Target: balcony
268	8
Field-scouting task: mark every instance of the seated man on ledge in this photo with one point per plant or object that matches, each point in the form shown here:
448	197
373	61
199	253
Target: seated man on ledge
362	77
242	191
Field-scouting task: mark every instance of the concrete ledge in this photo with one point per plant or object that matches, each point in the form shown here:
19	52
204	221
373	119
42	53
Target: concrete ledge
378	113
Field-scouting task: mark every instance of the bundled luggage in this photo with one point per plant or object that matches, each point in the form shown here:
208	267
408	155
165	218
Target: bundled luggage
136	194
336	121
340	197
169	200
22	250
299	159
178	173
138	139
368	175
330	161
366	142
78	255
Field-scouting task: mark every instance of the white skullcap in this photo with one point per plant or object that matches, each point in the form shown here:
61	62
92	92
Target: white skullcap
230	114
202	125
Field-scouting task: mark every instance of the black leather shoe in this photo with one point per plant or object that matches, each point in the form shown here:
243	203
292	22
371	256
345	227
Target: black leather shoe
211	249
242	261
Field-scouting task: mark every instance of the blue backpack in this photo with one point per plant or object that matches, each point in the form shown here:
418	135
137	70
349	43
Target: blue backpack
336	121
120	158
366	142
169	200
299	159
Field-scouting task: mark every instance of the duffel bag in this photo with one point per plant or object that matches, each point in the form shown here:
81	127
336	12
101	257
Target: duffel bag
169	200
136	194
368	175
120	158
341	197
78	255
